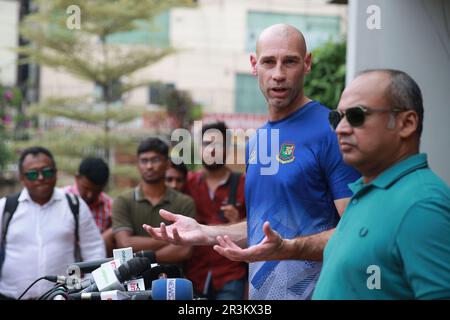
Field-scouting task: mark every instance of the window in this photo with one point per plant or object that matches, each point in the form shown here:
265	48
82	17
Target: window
155	34
248	97
114	93
317	29
158	93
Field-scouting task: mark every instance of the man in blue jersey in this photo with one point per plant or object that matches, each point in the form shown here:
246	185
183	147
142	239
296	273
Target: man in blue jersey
301	197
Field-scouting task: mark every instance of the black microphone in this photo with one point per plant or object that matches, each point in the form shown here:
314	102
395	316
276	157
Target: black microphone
80	285
89	266
112	295
107	278
161	271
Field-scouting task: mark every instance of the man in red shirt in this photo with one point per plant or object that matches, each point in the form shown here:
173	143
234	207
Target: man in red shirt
91	180
219	199
176	176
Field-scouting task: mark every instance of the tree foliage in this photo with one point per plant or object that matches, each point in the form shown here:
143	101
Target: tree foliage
12	122
74	127
326	81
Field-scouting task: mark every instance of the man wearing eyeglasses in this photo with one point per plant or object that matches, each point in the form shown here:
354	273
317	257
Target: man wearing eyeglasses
142	204
41	233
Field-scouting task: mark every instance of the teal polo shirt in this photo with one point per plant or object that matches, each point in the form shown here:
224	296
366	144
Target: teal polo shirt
393	241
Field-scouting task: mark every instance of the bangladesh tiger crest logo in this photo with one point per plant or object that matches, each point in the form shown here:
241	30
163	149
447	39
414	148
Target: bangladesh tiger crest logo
286	154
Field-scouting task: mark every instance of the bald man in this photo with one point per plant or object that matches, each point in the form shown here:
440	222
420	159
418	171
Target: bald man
393	241
301	200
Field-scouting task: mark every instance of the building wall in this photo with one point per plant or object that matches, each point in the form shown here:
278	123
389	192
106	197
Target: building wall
414	37
9	18
212	40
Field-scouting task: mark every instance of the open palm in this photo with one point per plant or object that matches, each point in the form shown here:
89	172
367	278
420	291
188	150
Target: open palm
182	231
267	249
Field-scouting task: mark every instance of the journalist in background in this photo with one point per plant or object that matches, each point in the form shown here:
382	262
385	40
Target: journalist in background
41	235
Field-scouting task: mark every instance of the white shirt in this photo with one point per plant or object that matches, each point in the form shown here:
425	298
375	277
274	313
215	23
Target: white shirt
40	242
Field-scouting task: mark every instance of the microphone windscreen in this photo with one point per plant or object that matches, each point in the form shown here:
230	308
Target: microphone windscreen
172	289
161	271
133	268
149	254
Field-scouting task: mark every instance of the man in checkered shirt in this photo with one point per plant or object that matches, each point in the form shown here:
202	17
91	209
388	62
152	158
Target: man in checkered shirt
90	182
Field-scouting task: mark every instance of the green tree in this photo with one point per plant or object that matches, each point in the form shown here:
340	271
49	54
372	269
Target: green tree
179	105
12	122
88	54
326	81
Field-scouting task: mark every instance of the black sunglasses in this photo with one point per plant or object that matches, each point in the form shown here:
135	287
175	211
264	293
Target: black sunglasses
47	173
355	115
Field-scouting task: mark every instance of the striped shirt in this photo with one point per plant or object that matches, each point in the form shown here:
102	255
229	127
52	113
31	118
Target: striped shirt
101	209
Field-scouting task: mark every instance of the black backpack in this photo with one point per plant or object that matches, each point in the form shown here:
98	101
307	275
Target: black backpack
11	204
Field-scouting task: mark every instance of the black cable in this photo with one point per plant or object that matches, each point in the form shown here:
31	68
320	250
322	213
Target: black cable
42	297
58	292
50	291
29	287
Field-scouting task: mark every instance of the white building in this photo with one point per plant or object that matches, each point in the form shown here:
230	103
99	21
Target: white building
214	40
9	22
412	36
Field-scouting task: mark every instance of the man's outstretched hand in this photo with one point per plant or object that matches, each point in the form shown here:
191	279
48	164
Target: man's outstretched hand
268	249
182	231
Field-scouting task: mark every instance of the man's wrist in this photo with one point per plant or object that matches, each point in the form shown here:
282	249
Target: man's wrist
290	249
210	235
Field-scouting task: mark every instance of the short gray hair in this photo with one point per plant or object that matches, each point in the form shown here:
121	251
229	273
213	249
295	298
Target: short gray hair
403	93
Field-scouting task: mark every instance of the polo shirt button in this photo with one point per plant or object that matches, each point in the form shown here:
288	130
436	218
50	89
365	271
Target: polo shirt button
355	201
363	232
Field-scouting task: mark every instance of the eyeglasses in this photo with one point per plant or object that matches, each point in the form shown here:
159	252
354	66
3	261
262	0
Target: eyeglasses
356	116
146	161
47	173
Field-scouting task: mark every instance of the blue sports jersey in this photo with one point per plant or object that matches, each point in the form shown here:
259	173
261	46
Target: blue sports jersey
292	180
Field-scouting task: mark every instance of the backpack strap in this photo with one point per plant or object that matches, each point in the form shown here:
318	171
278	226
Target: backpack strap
234	184
11	203
74	204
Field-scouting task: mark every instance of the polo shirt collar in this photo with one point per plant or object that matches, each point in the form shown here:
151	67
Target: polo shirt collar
139	195
394	173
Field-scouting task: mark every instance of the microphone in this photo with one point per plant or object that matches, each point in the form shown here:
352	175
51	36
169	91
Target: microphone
107	278
140	295
56	279
83	284
89	266
161	271
112	295
172	289
71	282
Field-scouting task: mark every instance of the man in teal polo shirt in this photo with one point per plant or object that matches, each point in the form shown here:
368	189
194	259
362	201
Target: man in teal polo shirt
393	241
